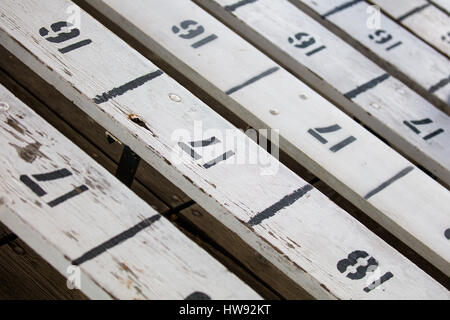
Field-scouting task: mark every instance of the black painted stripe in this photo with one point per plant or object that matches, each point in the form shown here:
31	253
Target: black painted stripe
315	51
341	7
253	80
369	85
204	41
205	143
421	122
394	46
375	284
439	85
75	46
33	186
55	175
75	192
387	183
280	205
221	158
126	87
95	252
198	296
413	11
238	4
343	144
333	128
194	155
317	136
433	134
409	125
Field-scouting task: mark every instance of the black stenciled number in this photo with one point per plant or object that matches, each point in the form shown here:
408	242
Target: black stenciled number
352	260
51	176
62	35
188	148
414	123
303	40
198	296
317	133
190	29
360	270
383	37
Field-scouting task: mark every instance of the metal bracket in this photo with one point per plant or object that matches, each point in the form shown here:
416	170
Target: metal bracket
128	165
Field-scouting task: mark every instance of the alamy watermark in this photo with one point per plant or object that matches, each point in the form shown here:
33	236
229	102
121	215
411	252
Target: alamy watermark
74	19
374	20
211	147
73	277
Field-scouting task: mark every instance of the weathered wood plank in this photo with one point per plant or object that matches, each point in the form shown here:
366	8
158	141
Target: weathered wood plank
94	133
391	46
336	70
422	18
239	195
347	157
40	285
76	137
74	213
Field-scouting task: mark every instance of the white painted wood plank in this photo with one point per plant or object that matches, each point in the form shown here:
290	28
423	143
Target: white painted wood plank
278	100
423	19
443	4
335	69
138	254
289	223
392	46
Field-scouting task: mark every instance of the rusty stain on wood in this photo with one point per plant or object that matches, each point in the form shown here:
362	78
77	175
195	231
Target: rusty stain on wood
30	152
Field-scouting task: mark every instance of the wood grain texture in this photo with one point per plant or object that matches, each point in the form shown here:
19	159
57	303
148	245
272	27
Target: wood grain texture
423	19
145	256
337	71
233	193
266	96
393	47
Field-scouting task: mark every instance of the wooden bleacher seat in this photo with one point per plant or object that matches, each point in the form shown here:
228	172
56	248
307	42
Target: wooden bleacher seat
396	49
278	225
424	19
346	77
74	213
312	131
